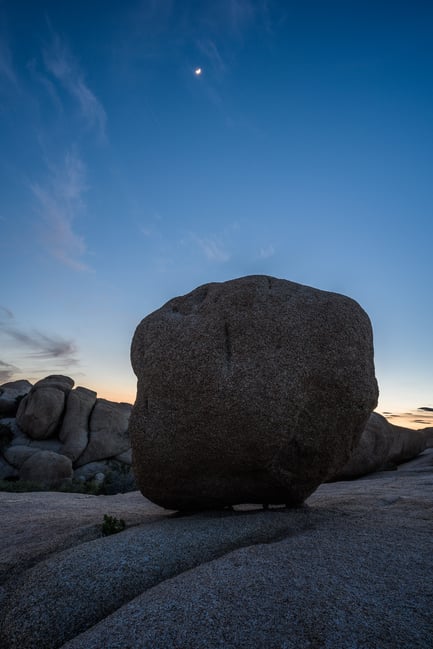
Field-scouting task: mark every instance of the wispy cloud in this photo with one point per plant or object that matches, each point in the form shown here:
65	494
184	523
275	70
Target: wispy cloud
59	201
241	12
209	49
61	64
213	248
5	313
6	66
7	372
41	345
267	252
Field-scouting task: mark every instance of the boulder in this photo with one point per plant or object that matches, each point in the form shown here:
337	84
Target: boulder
10	395
383	446
52	444
108	431
17	455
88	471
74	432
253	390
47	468
58	381
40	412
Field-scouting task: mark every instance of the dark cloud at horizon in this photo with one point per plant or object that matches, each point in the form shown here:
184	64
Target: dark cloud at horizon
7	371
39	347
426	408
44	346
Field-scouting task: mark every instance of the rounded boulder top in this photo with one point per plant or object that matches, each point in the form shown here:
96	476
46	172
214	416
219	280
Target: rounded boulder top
252	390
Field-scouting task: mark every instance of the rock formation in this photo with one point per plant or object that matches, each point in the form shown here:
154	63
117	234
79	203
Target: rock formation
384	446
55	432
252	390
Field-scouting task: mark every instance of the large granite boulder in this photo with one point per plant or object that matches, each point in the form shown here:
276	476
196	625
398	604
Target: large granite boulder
383	446
17	455
10	396
109	434
47	468
253	390
75	426
40	412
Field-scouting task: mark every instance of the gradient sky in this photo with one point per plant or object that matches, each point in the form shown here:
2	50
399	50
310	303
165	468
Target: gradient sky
304	150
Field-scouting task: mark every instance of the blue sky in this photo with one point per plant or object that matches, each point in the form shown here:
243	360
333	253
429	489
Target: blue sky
304	150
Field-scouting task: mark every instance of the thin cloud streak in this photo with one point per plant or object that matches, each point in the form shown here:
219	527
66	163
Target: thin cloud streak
267	252
59	201
6	65
63	67
7	371
213	249
41	345
209	49
4	311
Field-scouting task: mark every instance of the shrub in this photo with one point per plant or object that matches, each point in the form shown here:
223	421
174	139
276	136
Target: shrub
112	525
20	486
119	481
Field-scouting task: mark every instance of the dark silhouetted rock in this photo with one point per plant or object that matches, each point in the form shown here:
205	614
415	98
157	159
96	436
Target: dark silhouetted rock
253	390
7	471
10	395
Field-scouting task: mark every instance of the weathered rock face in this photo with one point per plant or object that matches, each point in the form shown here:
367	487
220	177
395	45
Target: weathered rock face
253	390
383	445
47	468
10	394
109	434
39	413
75	426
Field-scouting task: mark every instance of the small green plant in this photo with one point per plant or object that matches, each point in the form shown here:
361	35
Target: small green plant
112	525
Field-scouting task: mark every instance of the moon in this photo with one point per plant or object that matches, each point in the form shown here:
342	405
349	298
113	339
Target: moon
197	72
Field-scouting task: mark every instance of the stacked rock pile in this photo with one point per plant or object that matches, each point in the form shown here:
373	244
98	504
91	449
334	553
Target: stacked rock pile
52	432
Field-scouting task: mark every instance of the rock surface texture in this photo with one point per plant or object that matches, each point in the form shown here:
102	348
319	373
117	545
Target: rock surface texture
253	390
352	568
